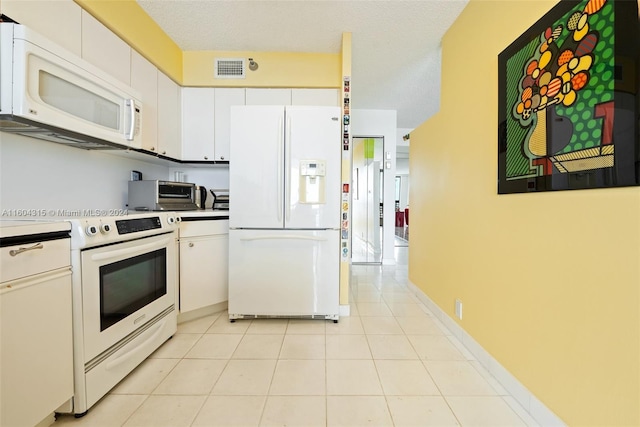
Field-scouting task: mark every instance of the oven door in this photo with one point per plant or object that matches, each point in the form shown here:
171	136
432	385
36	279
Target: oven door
124	286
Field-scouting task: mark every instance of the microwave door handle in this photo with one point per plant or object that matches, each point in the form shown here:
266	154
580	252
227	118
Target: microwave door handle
132	119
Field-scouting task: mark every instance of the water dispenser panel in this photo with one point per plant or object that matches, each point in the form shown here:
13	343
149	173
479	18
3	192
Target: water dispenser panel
312	178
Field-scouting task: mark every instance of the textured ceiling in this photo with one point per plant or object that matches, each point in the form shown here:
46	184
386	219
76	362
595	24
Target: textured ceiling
395	43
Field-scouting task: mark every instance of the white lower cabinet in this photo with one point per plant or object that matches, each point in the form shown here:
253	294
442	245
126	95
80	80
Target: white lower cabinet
204	258
36	338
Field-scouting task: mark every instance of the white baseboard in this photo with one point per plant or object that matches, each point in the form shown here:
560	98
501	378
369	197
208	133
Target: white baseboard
48	421
345	310
201	312
535	408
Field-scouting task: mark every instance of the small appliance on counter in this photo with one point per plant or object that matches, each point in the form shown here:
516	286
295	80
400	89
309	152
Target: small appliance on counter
157	195
220	200
201	196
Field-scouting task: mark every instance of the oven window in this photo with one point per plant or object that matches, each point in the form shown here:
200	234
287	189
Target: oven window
128	285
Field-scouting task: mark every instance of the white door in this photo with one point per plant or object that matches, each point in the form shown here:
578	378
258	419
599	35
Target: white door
312	138
256	174
284	273
36	346
203	267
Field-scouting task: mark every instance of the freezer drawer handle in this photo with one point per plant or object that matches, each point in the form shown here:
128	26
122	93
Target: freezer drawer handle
14	252
286	237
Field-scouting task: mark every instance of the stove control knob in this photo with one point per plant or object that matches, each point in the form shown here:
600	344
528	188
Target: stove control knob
91	230
171	220
105	228
178	219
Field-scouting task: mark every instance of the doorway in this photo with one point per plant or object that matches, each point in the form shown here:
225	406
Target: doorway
368	200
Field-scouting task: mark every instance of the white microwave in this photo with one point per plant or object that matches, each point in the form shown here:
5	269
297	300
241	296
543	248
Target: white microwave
49	93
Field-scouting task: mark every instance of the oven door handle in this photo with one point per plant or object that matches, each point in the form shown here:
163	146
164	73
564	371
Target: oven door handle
125	253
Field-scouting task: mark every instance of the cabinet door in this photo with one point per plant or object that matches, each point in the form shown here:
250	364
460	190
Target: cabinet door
105	50
225	98
59	21
36	347
324	97
259	96
198	123
169	141
144	79
203	271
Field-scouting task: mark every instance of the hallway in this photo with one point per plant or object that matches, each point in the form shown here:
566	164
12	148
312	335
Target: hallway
390	363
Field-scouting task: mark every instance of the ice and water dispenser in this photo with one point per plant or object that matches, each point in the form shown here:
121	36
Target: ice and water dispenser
312	181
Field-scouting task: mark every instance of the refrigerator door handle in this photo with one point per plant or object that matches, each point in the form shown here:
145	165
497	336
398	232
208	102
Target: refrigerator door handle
285	237
281	184
288	177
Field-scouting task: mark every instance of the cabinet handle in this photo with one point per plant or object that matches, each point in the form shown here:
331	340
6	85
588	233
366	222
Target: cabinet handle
221	157
164	152
206	158
190	244
153	148
14	252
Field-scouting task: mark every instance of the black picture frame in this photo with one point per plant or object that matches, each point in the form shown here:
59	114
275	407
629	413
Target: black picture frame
568	104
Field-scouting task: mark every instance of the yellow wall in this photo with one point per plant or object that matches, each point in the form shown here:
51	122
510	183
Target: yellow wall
276	69
196	68
549	282
129	21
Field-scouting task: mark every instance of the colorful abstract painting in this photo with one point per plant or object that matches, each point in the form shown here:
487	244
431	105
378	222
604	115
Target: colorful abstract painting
568	101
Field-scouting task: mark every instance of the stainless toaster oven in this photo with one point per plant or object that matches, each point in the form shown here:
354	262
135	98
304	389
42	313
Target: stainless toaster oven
157	195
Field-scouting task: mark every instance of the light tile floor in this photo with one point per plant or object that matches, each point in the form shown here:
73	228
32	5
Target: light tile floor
391	363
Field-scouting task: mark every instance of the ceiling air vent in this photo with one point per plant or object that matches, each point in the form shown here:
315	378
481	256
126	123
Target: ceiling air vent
229	68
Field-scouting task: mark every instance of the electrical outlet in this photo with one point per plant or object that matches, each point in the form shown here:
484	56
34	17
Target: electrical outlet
459	309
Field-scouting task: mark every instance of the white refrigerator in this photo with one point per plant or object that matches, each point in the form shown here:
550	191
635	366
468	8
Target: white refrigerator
284	212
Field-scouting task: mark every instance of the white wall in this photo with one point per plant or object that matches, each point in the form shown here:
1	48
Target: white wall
381	123
404	191
36	174
211	177
402	165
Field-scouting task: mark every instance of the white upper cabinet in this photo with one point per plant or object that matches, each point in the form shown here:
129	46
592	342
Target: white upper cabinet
324	97
198	123
144	79
105	50
169	117
259	96
60	21
225	99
